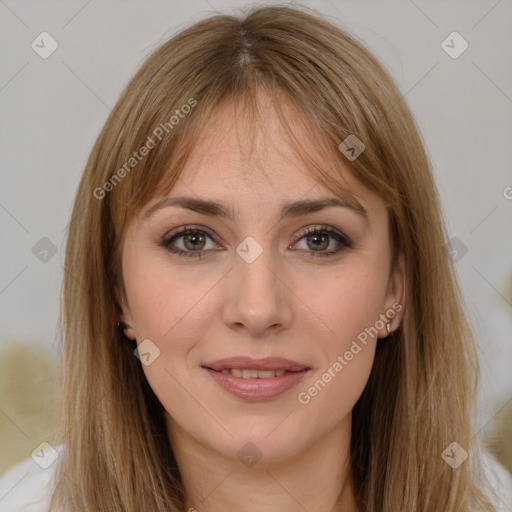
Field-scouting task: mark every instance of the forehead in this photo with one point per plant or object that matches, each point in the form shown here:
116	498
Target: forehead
246	148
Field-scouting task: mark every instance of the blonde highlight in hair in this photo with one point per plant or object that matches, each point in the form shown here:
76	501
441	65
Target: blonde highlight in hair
421	391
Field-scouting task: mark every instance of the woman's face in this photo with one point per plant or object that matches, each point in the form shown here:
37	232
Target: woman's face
211	320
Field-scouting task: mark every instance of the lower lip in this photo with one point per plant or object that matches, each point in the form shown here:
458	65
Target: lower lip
257	389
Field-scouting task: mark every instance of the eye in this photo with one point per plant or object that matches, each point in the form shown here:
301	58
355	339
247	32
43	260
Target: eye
317	239
190	240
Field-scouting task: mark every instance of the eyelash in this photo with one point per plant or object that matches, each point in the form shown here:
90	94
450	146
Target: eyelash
322	230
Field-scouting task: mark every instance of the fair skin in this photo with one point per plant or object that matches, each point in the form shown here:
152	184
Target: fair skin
286	303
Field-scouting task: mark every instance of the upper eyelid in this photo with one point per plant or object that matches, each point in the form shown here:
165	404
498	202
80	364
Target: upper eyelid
182	230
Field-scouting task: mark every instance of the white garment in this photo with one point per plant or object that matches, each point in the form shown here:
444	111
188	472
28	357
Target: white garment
27	487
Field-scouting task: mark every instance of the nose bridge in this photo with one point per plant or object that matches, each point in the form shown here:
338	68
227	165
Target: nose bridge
252	270
258	297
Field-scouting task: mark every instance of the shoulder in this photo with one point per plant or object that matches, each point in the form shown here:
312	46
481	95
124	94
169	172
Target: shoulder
28	486
501	483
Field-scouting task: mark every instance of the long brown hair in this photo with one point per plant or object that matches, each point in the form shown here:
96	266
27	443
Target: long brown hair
420	396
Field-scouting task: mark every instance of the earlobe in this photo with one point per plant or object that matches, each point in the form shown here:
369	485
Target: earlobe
125	322
395	300
398	280
129	333
127	330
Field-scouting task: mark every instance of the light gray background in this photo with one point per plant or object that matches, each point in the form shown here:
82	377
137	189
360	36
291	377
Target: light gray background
52	111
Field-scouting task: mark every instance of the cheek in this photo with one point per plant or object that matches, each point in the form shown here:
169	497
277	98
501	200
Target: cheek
336	385
161	299
352	300
173	308
350	305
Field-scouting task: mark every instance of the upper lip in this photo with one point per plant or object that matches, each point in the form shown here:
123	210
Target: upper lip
249	363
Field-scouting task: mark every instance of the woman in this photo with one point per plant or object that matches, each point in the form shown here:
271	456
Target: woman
259	312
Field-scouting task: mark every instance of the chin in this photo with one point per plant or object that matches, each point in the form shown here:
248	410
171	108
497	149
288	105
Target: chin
260	440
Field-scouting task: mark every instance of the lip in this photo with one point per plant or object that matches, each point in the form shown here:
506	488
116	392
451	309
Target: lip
257	389
249	363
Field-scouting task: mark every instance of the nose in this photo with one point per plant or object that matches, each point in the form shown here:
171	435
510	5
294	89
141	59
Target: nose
258	300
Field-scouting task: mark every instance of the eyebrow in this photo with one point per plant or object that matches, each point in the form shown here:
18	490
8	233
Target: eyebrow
289	210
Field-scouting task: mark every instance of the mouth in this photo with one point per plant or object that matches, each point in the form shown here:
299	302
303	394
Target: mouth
247	373
245	363
256	379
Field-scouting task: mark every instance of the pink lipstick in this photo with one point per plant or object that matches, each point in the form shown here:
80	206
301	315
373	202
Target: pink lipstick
256	379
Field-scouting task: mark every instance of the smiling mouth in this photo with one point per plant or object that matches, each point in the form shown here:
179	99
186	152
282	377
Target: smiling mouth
256	379
250	374
257	384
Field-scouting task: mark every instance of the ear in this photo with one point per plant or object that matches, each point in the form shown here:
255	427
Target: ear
394	302
125	316
128	330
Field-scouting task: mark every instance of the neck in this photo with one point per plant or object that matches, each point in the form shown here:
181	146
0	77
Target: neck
317	479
